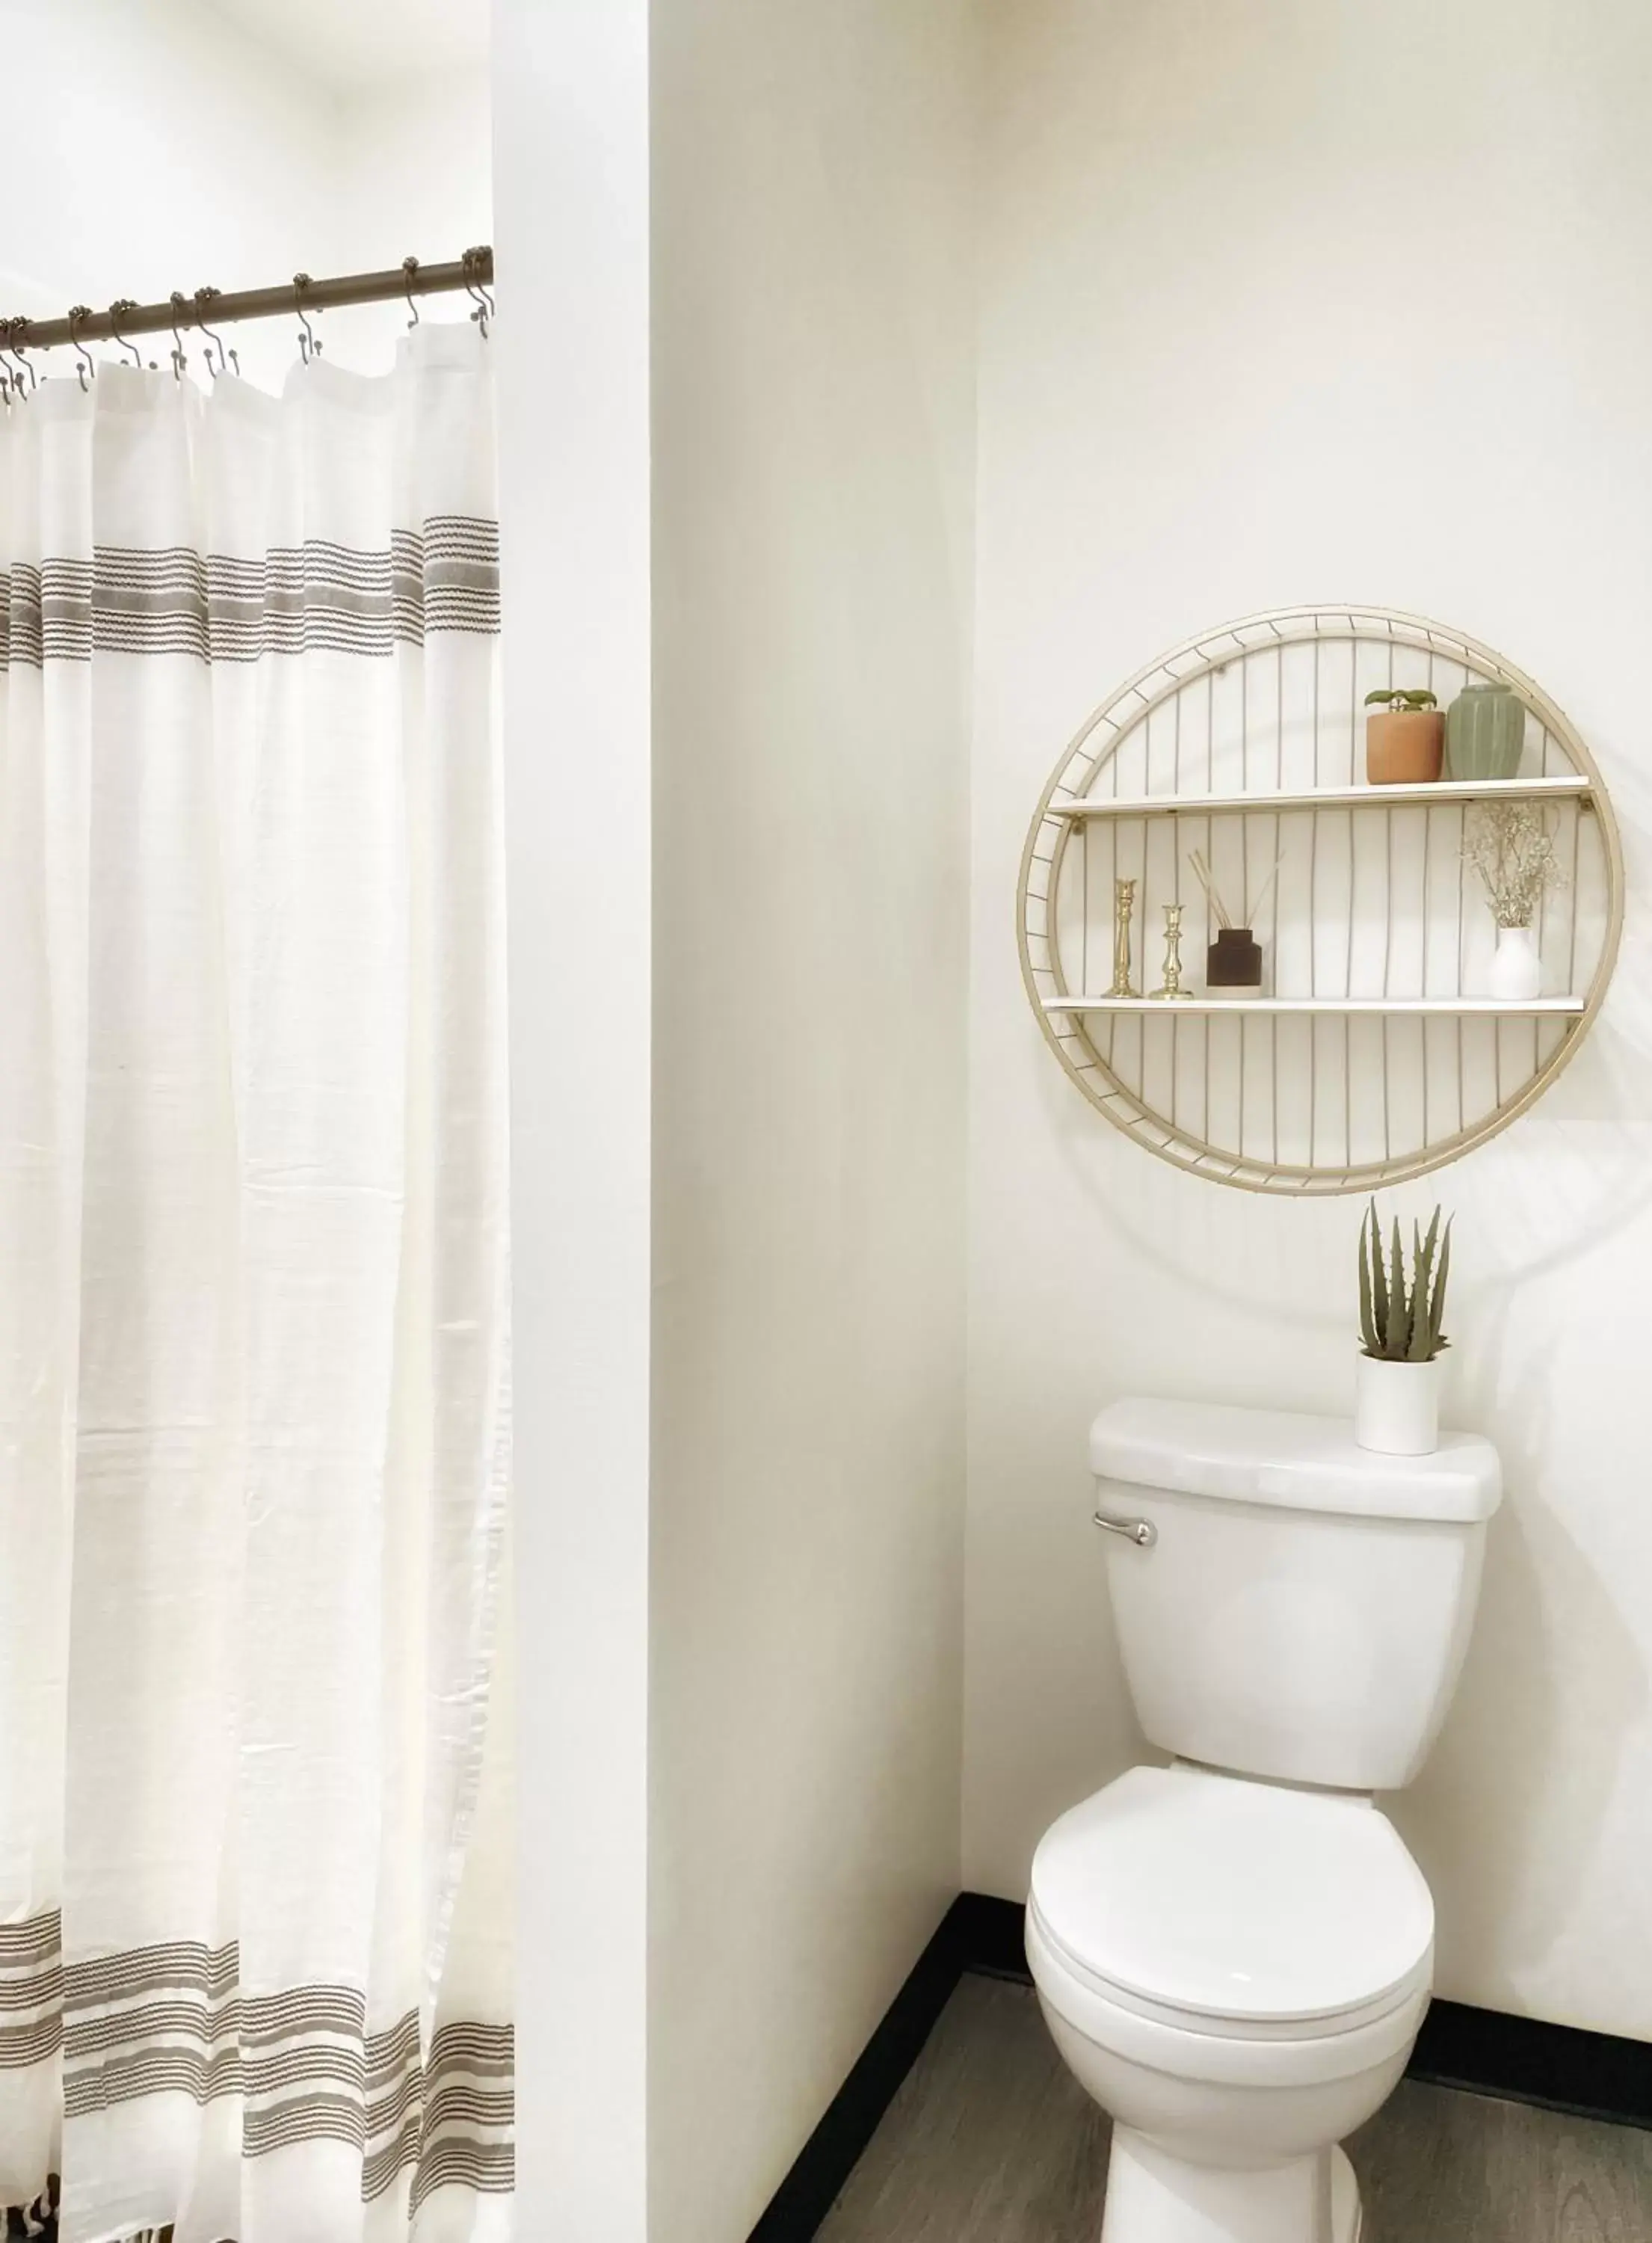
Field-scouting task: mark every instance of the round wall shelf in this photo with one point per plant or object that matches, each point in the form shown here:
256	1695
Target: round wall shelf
1374	1050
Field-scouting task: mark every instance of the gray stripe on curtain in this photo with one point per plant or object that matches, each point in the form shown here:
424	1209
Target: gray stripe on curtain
301	2060
224	608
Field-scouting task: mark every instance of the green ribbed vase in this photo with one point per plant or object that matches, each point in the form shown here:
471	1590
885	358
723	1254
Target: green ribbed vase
1485	733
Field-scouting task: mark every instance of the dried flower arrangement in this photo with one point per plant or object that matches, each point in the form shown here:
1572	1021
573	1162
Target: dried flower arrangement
1510	846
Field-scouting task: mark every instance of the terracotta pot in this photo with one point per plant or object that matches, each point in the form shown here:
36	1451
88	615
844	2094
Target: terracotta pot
1404	747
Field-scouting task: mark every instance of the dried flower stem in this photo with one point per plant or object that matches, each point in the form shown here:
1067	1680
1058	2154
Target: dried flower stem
1512	848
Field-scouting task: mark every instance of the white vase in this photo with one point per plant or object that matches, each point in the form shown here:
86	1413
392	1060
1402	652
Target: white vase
1396	1407
1516	971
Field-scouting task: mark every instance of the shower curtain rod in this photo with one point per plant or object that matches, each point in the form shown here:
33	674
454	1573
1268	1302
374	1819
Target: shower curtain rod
473	271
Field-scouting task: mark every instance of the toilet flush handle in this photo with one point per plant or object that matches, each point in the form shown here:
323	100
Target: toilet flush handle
1141	1531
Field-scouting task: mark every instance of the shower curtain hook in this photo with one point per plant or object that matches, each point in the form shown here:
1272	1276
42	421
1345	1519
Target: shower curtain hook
17	335
11	385
226	358
309	345
118	312
180	312
85	364
410	265
474	261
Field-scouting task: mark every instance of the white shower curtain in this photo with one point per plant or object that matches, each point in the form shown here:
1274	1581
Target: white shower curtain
254	1977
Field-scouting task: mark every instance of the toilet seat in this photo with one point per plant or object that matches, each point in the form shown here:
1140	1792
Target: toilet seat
1201	2051
1213	1906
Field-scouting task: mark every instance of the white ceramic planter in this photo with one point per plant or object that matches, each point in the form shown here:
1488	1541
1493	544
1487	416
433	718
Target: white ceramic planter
1516	971
1396	1407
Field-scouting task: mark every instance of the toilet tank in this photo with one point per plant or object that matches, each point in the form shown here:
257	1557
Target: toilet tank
1304	1605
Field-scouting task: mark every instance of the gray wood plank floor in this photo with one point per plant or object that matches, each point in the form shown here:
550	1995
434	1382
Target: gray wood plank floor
991	2140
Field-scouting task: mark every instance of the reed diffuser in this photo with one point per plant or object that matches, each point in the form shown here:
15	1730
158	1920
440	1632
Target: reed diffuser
1233	962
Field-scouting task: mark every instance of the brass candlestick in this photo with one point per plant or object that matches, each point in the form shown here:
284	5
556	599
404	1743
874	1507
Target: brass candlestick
1172	988
1123	910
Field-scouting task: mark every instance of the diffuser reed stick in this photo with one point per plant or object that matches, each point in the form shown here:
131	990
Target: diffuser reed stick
1266	887
1207	879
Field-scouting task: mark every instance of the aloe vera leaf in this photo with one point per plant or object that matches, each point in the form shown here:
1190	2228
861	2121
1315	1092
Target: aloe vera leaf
1437	1307
1422	1294
1367	1321
1432	1238
1400	1309
1421	1337
1379	1281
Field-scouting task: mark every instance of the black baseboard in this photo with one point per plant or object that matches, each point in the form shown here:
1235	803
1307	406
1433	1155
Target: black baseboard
1521	2059
995	1935
1594	2075
827	2157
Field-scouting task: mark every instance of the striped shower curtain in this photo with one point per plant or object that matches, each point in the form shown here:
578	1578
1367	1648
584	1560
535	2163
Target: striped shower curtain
254	1367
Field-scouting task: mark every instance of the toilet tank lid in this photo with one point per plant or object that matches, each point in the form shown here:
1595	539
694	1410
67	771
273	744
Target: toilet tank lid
1295	1462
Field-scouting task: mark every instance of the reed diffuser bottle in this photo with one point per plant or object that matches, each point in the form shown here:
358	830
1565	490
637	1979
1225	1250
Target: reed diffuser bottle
1233	962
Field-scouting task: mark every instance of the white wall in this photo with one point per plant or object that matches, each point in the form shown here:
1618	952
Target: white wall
413	178
812	276
153	145
571	113
1295	302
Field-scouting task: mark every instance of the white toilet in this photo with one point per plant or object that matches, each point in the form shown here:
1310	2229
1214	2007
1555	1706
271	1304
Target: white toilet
1234	1953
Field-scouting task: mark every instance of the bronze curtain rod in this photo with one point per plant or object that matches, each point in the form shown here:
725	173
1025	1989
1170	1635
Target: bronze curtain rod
472	270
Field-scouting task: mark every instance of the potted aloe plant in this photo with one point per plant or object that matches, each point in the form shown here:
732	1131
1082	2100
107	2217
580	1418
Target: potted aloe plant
1405	737
1397	1397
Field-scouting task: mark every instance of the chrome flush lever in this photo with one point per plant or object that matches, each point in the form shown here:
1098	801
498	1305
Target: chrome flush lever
1141	1531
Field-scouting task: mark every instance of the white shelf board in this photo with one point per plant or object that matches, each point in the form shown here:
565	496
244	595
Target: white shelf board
1447	1007
1572	788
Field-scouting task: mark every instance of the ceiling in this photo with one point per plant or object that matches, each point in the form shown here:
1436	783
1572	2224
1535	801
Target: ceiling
351	45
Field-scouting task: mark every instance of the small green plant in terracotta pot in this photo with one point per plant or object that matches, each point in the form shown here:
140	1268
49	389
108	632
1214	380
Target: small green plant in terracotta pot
1405	737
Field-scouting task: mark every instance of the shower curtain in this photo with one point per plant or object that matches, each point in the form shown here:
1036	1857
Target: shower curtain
254	1419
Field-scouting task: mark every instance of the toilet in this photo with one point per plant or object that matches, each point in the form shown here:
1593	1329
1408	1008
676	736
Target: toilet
1233	1951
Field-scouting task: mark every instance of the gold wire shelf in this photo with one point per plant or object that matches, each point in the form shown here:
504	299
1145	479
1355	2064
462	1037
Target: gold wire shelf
1377	1052
1267	803
1509	1008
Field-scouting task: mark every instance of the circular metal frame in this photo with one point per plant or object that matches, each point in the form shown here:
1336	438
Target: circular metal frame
1090	752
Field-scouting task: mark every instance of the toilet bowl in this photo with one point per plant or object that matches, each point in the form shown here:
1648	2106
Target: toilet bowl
1233	1952
1237	1972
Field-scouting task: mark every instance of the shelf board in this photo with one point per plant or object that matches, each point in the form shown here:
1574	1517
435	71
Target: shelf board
1446	1006
1573	788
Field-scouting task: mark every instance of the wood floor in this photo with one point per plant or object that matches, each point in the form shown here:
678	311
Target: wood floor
991	2140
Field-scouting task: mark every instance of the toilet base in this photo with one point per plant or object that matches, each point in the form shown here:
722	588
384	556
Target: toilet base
1154	2197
